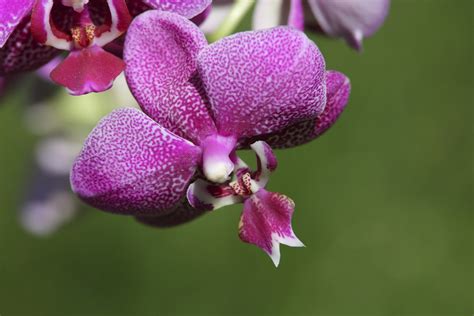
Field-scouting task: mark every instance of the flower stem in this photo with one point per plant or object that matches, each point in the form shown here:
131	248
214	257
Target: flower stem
240	8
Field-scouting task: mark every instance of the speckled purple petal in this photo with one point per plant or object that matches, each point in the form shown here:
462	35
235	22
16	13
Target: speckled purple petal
186	8
262	81
22	53
266	223
181	214
11	14
132	165
351	19
338	90
160	54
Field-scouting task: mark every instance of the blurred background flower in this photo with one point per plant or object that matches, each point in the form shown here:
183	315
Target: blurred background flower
352	20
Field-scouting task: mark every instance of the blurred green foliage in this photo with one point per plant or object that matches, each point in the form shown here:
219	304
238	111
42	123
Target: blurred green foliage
384	205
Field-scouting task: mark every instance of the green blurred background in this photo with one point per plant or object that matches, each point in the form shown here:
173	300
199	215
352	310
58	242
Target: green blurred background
384	205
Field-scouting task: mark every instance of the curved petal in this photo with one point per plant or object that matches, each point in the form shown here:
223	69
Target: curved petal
201	17
338	90
88	70
186	8
182	213
132	165
160	54
11	14
266	223
351	19
260	82
23	53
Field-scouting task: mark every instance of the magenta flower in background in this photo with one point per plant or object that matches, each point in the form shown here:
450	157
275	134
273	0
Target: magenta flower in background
33	32
201	103
352	20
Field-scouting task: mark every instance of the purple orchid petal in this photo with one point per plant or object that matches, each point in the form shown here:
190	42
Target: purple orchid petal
351	19
266	223
88	70
23	53
132	165
260	82
181	214
296	15
160	53
338	90
186	8
11	14
201	17
266	162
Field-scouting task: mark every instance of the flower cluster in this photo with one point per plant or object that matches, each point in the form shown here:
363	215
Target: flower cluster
177	157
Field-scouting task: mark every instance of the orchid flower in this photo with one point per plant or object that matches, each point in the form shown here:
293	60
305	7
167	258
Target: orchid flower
352	20
32	32
201	103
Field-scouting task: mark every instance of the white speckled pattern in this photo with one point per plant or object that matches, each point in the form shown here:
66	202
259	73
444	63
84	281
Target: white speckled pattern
132	165
259	82
160	54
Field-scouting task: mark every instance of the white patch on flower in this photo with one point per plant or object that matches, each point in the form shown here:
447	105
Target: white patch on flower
277	239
